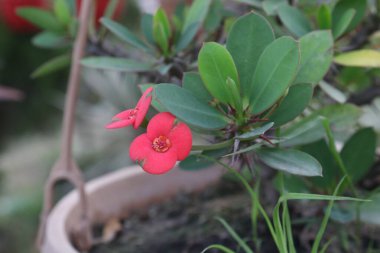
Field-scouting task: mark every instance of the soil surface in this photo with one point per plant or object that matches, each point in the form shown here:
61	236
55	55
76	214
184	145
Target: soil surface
187	224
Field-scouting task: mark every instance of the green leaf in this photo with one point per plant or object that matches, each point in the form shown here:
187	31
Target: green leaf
124	34
254	3
234	235
161	30
333	92
369	212
52	65
343	6
188	108
290	160
341	23
62	11
194	19
294	20
41	18
198	162
324	17
310	196
271	6
359	58
257	34
50	40
215	66
320	151
255	132
118	64
316	56
193	82
294	104
358	153
310	129
147	27
275	71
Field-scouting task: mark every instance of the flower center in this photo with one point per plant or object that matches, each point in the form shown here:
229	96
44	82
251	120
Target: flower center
161	144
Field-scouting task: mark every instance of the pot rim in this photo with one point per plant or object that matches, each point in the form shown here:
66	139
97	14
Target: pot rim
63	215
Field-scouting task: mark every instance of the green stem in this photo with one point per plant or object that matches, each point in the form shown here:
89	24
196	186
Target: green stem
336	155
215	146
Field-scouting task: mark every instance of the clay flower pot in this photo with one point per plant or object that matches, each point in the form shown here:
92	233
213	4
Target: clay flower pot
117	193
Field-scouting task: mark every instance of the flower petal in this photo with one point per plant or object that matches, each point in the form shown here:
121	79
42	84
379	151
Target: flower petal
159	163
140	148
120	123
124	114
161	124
142	107
181	139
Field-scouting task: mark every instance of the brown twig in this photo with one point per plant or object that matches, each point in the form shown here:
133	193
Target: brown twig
65	168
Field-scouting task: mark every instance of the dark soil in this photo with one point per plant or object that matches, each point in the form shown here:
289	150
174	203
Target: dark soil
187	224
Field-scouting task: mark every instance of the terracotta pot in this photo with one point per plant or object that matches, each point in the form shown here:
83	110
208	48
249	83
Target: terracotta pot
117	193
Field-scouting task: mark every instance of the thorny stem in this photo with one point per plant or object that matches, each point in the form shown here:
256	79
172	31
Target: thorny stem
65	168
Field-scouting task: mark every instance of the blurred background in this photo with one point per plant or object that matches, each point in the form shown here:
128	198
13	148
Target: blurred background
31	112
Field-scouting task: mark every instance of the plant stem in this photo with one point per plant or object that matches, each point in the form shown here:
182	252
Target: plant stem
336	155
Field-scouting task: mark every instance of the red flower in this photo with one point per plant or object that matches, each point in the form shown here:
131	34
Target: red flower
164	143
133	116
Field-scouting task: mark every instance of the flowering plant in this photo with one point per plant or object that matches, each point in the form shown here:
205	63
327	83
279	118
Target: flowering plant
248	99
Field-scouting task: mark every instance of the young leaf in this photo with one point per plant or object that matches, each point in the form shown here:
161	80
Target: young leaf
324	17
41	18
341	8
316	56
359	58
188	108
341	23
290	160
62	11
194	19
275	71
118	64
222	248
161	30
215	66
294	103
193	82
358	153
257	34
294	20
124	34
52	65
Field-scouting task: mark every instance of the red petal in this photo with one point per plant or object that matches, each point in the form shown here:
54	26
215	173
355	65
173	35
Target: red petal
123	115
159	163
140	148
120	123
181	139
161	124
143	107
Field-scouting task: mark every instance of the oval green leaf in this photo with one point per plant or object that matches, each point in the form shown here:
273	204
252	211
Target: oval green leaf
183	104
316	56
293	104
359	58
118	64
291	160
257	34
275	71
215	66
293	19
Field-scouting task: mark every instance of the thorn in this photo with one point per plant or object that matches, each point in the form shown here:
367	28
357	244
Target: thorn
266	139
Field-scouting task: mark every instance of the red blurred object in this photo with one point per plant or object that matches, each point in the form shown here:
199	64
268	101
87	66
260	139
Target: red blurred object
101	7
12	20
